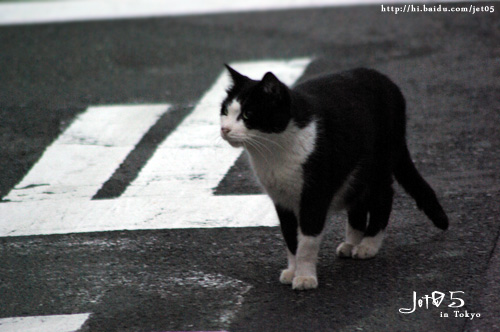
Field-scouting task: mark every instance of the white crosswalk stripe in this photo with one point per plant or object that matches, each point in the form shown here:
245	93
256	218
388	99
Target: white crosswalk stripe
54	323
87	153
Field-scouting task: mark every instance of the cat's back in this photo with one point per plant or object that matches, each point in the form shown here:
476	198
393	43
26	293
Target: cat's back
347	84
358	98
354	110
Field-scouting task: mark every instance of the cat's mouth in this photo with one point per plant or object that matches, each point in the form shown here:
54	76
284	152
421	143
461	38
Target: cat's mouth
235	142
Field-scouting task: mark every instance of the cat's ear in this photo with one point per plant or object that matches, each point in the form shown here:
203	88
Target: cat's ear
271	84
238	79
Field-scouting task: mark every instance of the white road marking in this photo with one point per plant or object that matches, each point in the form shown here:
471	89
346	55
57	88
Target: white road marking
87	153
67	11
173	190
79	216
56	323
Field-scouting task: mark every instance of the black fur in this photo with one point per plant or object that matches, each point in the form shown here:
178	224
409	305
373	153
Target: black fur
361	125
289	226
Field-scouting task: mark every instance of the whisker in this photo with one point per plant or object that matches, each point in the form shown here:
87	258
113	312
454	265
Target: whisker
268	140
262	145
253	144
217	140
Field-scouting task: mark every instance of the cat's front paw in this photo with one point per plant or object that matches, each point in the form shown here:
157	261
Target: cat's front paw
287	276
344	250
364	251
304	282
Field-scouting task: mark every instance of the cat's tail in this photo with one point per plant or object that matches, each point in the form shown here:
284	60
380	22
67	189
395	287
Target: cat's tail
411	180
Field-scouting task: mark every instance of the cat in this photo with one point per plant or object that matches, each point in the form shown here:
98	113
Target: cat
330	143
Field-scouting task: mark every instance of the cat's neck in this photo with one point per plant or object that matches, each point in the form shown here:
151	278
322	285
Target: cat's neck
294	143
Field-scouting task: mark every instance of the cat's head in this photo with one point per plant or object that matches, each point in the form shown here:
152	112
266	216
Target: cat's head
253	107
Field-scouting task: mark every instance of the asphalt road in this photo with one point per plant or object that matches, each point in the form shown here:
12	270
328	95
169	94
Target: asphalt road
447	65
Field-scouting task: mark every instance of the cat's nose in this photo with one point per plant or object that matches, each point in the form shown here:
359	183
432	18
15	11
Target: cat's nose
225	130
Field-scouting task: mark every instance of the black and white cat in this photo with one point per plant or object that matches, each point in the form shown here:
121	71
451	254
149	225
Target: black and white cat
333	142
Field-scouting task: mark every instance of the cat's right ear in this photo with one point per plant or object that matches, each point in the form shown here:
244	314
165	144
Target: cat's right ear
238	79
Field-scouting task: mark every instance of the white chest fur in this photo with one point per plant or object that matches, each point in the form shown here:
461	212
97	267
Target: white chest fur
277	160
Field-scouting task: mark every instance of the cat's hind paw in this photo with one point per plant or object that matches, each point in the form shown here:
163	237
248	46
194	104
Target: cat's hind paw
305	282
344	250
364	251
287	276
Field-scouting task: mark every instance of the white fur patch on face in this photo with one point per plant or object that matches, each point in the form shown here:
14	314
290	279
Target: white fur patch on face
234	110
233	129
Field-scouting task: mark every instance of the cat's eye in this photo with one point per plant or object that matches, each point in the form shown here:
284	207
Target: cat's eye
244	115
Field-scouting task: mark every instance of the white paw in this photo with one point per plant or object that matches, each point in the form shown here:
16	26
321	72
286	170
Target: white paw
345	250
305	282
287	276
364	251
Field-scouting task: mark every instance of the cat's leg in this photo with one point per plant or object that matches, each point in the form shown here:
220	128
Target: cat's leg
313	212
355	230
289	227
306	260
380	207
288	274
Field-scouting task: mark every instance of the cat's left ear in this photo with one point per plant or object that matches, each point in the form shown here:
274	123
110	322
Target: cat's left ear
238	79
271	84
